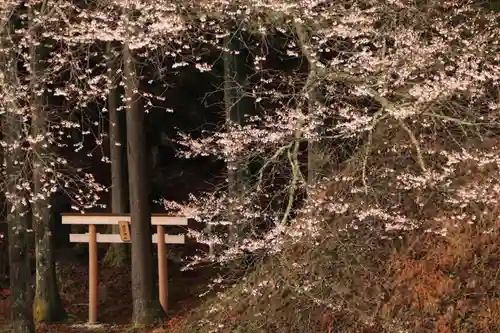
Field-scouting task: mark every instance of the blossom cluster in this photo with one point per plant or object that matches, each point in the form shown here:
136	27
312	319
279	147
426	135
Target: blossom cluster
369	113
410	94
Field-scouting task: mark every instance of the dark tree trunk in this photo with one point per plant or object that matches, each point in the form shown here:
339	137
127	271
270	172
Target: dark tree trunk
146	307
314	149
47	304
235	112
22	319
19	263
118	254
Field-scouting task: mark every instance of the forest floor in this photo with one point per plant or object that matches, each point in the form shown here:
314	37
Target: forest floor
115	309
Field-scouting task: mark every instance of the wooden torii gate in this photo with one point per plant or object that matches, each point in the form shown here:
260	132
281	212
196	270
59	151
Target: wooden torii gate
123	220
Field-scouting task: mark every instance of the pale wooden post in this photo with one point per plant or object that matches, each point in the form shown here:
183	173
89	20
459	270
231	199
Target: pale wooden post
162	268
93	274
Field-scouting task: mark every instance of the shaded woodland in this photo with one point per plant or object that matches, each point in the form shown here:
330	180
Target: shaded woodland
338	163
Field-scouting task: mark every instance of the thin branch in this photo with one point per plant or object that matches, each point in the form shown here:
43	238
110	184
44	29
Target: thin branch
273	158
293	158
414	140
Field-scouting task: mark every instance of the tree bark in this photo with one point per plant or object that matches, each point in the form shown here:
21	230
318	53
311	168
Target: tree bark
314	163
117	254
19	263
235	113
22	320
146	307
47	304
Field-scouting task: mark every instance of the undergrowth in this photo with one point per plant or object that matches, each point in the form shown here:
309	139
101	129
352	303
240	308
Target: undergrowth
441	276
351	283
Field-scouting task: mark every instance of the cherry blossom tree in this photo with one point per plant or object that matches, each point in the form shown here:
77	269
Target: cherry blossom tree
117	253
139	29
18	225
366	113
34	169
393	95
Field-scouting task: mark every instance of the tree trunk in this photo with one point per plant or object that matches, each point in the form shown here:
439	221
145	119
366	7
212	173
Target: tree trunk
235	113
117	254
146	307
19	263
314	163
22	319
47	304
